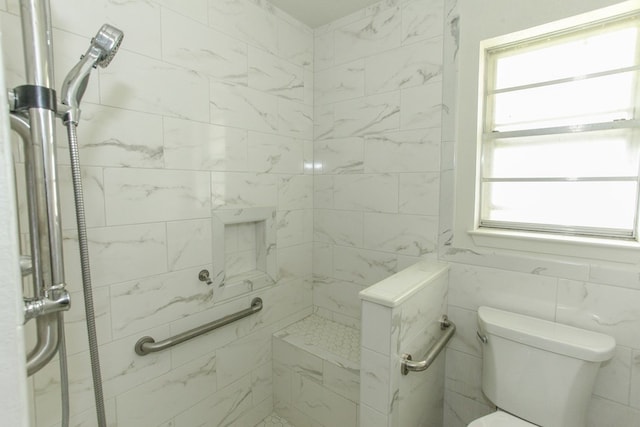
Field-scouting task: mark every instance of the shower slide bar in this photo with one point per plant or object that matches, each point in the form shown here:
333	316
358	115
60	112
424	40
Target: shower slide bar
45	300
33	117
146	345
407	362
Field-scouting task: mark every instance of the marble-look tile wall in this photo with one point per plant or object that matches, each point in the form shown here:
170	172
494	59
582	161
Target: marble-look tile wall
207	105
591	294
401	314
211	104
377	120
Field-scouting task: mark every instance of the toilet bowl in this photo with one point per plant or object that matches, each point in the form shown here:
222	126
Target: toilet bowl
537	372
500	419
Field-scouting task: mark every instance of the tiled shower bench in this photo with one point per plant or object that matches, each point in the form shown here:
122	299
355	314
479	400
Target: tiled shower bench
316	373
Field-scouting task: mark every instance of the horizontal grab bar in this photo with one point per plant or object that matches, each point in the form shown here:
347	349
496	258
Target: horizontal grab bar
146	345
409	365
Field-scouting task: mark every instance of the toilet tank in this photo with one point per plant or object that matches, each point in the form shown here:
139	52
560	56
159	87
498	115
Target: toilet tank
538	370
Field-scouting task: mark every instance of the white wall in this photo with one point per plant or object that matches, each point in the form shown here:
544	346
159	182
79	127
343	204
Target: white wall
13	393
590	293
207	105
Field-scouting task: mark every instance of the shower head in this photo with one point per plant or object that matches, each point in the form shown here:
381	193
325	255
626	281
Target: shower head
107	41
101	51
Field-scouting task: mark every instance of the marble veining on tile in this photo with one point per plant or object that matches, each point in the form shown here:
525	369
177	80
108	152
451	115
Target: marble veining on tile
339	83
113	137
274	420
409	66
270	74
373	34
247	21
243	107
422	19
364	116
201	48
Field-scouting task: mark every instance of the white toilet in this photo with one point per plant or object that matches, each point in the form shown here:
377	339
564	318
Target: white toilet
538	373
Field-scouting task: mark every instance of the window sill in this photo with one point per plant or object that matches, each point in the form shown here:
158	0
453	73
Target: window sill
627	251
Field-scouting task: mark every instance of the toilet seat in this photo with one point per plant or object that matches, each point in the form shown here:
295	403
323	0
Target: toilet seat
500	419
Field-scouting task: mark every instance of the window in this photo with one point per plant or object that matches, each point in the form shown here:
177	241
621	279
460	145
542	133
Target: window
560	142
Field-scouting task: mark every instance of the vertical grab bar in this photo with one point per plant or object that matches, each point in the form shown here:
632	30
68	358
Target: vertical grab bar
408	365
47	237
46	326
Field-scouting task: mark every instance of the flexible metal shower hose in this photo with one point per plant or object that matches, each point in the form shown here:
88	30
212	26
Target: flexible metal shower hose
86	272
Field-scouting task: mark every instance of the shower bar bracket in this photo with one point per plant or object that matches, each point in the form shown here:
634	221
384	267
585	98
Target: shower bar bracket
146	345
32	96
408	365
36	307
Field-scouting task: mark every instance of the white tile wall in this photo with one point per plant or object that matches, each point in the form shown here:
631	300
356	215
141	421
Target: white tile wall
200	47
241	106
377	146
374	34
207	105
366	192
137	251
185	93
339	83
403	151
344	155
405	67
142	195
109	138
220	104
202	146
247	21
403	317
274	153
363	116
422	20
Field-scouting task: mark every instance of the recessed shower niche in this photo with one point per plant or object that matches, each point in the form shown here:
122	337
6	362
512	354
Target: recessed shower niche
244	257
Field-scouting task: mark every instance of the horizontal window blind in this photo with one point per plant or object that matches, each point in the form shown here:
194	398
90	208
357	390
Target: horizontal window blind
560	139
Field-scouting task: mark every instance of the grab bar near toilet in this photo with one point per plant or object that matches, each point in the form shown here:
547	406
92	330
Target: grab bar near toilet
408	365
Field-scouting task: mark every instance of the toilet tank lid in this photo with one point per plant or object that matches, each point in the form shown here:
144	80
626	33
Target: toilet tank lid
550	336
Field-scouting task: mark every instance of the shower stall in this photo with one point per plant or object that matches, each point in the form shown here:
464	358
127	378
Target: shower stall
206	147
237	167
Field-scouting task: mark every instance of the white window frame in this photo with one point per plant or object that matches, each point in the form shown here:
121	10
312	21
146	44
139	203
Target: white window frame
517	26
493	53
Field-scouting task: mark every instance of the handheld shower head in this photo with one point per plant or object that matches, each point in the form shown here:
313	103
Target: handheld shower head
108	41
102	49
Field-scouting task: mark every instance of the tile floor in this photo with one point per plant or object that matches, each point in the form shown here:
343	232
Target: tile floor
274	420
